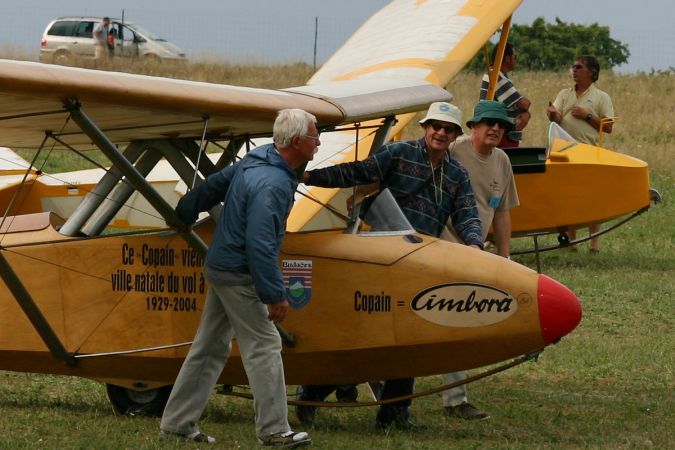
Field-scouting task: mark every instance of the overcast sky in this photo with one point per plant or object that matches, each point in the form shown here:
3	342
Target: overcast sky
273	31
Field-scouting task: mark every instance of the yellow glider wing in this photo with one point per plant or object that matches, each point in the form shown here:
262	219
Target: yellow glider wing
130	107
406	40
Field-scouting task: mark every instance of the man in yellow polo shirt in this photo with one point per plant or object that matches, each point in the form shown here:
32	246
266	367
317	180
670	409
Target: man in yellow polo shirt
579	110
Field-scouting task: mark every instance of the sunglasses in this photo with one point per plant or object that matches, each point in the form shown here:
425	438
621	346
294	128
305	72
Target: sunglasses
448	128
492	122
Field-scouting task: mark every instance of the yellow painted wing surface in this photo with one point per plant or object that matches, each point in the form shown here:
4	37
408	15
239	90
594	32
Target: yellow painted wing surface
130	108
408	39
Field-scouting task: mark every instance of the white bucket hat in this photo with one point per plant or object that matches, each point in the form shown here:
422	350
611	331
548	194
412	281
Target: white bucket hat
445	112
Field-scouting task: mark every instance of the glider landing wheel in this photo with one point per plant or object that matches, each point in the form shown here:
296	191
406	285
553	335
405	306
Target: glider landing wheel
138	403
655	196
563	239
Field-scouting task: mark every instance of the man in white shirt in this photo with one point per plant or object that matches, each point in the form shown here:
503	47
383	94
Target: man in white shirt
101	52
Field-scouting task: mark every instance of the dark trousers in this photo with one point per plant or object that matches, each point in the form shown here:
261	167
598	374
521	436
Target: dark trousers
317	392
397	411
392	389
398	388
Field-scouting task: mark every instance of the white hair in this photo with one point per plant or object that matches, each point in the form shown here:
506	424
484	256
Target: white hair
290	123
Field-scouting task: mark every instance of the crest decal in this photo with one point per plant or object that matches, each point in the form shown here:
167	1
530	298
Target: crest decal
297	275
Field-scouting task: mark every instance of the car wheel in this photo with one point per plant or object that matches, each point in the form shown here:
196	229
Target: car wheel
152	59
138	403
62	57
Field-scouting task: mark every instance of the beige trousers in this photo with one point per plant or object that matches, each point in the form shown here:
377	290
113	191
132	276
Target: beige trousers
231	311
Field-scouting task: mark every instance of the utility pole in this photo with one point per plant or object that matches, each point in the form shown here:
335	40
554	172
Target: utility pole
316	36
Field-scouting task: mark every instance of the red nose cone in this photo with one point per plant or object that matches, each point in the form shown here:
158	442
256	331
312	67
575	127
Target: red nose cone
559	309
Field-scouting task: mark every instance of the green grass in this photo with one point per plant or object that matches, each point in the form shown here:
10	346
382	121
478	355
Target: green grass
608	385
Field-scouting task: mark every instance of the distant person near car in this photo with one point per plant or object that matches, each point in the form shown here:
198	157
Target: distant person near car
506	92
101	52
112	35
579	110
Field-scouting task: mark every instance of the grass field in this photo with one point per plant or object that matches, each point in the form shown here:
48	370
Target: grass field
608	385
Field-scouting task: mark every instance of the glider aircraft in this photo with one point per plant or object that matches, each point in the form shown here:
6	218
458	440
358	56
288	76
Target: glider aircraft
368	303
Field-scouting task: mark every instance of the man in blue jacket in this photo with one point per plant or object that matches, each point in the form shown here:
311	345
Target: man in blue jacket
246	292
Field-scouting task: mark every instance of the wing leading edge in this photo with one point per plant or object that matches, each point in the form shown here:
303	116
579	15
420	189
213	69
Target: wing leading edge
129	107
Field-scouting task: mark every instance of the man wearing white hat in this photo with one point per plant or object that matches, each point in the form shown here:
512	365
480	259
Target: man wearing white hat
432	189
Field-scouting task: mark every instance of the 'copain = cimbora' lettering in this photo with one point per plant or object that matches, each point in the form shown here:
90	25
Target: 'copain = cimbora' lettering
464	305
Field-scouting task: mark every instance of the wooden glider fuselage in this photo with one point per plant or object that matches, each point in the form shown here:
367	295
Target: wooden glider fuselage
371	307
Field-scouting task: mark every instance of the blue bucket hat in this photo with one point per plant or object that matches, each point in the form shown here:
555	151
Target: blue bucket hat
491	109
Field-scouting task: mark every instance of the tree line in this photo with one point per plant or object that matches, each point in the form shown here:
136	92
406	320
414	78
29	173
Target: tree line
553	46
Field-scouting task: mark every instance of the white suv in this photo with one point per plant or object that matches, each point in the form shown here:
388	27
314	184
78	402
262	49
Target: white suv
68	38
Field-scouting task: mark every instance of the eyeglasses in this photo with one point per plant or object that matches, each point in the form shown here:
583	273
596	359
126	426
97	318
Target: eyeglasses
307	136
578	67
448	128
492	122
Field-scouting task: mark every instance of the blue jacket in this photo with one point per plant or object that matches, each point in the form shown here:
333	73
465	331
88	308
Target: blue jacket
258	192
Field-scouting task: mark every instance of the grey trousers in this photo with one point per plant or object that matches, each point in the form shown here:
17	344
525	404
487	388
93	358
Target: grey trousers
231	311
457	395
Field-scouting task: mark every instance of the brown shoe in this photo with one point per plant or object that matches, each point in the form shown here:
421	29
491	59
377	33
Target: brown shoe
289	439
197	436
466	411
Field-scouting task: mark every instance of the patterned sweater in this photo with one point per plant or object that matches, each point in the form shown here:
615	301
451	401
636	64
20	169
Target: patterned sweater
404	168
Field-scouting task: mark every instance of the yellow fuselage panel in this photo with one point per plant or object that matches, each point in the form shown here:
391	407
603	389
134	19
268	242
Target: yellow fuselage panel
369	298
592	185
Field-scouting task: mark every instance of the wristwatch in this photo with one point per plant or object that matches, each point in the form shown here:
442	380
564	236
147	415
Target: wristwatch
589	117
